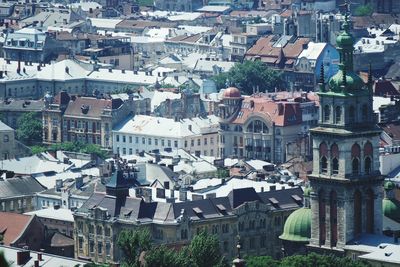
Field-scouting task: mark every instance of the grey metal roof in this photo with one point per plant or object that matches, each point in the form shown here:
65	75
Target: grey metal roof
21	105
13	187
136	209
5	127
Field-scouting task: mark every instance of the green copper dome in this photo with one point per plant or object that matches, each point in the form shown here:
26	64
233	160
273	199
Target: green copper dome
389	185
345	39
353	82
391	209
298	226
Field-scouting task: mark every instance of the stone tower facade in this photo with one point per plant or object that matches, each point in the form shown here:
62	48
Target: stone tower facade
346	200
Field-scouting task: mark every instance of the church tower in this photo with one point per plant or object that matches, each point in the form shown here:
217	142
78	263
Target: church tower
346	200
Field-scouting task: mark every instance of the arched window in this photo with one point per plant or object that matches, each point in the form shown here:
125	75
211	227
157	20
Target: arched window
323	157
335	158
355	159
335	166
352	114
327	113
355	166
357	212
367	165
338	114
364	112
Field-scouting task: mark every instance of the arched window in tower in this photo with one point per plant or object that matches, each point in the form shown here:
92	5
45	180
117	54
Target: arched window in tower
338	114
352	114
370	211
327	113
323	157
335	159
355	159
321	217
364	112
368	151
357	213
333	218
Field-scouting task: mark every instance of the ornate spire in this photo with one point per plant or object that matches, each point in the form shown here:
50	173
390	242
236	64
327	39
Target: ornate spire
322	79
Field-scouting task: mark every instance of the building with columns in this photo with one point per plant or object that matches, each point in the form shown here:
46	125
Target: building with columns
346	198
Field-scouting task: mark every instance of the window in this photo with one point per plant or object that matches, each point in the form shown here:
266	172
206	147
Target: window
107	231
338	115
324	164
91	246
123	139
198	142
99	230
156	142
186	143
80	243
149	141
327	113
335	166
352	114
5	138
175	143
130	151
225	228
367	165
117	137
169	143
241	226
184	234
108	249
212	140
162	142
262	242
91	229
123	151
137	140
100	248
205	141
143	140
130	139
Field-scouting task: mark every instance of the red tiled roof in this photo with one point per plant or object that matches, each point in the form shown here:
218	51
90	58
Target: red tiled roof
264	50
392	129
281	112
12	226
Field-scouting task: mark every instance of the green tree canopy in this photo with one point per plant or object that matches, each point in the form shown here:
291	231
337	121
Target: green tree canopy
72	147
364	10
205	251
261	261
313	259
132	243
29	129
250	75
3	261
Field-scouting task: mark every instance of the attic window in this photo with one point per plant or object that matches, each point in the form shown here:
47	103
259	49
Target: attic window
85	109
296	198
273	201
198	211
221	208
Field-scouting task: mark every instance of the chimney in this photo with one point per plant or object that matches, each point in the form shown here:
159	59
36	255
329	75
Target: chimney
23	257
67	70
110	70
78	182
59	184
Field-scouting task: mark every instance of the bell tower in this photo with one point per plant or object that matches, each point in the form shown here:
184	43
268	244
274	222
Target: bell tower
346	181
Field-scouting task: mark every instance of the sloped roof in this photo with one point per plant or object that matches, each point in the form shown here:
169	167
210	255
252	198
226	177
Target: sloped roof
13	187
12	226
95	106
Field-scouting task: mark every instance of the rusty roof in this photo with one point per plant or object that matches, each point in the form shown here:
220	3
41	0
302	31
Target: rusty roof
12	225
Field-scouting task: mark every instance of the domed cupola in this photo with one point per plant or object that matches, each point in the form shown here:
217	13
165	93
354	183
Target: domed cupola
297	227
346	80
390	205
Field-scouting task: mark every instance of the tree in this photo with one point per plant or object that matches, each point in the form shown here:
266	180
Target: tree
29	129
364	10
3	260
313	259
249	76
132	243
205	251
261	261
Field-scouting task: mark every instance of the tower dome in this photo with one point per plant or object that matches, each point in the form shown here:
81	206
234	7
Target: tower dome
232	92
391	209
298	226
